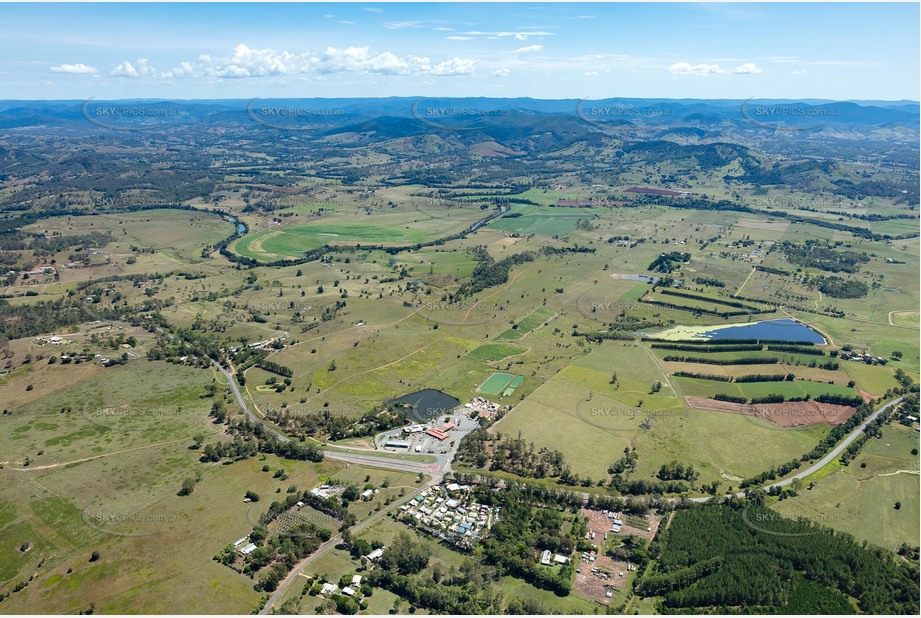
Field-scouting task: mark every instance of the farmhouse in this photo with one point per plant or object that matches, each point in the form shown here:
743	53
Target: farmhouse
327	491
41	270
248	549
329	588
545	557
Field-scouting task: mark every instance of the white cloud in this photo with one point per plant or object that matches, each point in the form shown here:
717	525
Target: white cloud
454	66
75	69
501	73
372	9
521	36
346	22
399	25
141	68
582	17
457	37
799	72
245	62
527	50
749	68
684	68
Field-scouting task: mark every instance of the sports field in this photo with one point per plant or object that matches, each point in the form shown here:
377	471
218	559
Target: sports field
496	383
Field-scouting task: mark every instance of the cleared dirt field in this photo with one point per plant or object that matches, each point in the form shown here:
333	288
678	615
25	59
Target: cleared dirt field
590	584
788	415
802	413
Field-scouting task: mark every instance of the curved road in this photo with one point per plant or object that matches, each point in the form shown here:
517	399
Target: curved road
828	458
436	470
239	397
442	467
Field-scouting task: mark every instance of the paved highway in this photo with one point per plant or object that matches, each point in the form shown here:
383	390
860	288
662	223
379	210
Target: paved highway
829	457
442	467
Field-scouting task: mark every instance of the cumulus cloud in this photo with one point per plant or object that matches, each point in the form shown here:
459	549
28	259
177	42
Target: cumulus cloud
245	62
457	37
684	68
141	68
501	73
749	68
800	72
75	69
528	50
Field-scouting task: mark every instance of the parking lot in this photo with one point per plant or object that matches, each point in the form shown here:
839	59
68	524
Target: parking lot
423	443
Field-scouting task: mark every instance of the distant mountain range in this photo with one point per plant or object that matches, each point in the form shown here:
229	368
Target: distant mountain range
407	116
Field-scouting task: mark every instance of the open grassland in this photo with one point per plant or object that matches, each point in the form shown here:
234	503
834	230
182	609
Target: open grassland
860	499
580	407
492	352
91	410
179	234
106	456
531	321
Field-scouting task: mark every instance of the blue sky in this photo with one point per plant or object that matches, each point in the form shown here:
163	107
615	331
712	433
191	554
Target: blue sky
541	50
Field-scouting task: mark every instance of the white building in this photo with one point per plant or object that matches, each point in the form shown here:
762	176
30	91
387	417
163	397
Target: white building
329	588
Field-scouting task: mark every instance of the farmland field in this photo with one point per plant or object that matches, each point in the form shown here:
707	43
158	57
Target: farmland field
241	365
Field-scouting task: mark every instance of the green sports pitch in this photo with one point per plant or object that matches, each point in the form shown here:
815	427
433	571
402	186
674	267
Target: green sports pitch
504	383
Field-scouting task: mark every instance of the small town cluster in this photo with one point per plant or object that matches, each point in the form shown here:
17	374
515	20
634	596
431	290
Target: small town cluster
450	513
